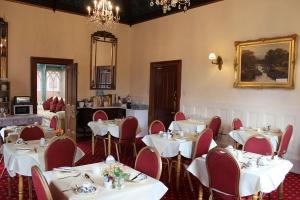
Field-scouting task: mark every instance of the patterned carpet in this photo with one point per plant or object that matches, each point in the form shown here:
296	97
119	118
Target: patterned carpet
291	184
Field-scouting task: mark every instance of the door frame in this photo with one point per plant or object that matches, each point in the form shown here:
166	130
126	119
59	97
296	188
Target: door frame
153	65
42	60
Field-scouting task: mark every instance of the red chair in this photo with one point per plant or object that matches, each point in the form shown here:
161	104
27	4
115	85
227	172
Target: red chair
148	161
236	124
32	133
60	153
179	116
224	175
99	114
40	184
215	125
285	140
156	126
54	122
128	131
258	144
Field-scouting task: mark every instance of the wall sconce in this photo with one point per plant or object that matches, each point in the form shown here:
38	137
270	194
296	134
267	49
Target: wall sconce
216	60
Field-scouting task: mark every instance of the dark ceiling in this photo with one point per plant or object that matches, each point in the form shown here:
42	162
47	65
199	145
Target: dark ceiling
132	11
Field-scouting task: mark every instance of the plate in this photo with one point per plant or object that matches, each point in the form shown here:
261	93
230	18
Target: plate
86	189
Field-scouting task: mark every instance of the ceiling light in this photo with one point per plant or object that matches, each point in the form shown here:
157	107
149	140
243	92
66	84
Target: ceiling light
168	4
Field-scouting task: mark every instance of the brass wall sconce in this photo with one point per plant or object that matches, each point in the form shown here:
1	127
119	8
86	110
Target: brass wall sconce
217	60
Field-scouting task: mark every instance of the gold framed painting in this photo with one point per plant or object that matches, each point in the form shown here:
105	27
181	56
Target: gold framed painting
266	63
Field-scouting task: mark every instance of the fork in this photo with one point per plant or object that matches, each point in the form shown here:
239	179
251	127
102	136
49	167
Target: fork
70	176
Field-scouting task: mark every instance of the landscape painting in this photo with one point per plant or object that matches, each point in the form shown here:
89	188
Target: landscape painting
266	63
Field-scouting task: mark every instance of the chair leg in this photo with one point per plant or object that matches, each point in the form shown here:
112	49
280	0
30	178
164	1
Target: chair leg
117	151
170	171
134	150
104	144
30	187
9	185
190	181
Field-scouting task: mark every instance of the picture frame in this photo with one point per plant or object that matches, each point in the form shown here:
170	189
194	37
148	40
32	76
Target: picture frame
266	63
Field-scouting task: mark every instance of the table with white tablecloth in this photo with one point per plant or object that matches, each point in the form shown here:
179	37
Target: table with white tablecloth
252	179
240	136
174	146
189	125
149	189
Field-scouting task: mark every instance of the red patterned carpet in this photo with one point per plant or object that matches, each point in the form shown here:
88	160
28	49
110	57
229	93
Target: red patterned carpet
291	184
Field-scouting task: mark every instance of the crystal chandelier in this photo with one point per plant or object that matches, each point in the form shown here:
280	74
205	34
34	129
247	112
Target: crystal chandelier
102	13
168	4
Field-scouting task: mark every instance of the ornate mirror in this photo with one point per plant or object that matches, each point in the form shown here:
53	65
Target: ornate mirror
103	61
3	48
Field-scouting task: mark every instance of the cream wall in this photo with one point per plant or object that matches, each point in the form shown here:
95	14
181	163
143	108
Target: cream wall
206	91
40	32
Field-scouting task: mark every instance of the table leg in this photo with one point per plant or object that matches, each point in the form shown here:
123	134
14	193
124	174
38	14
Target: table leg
178	170
200	195
280	191
93	144
109	143
20	187
30	188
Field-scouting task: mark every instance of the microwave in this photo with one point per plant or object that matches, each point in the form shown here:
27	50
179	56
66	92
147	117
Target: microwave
22	109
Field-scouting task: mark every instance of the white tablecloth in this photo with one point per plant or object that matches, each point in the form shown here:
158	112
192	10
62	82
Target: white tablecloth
188	125
21	161
103	127
240	136
252	180
171	147
149	189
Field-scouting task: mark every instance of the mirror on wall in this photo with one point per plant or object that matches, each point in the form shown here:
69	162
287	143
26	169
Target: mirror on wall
103	61
3	48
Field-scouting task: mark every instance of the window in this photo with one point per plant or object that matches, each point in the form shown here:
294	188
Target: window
53	81
38	78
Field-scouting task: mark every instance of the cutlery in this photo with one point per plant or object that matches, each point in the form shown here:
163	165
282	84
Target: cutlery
136	176
88	177
70	176
71	188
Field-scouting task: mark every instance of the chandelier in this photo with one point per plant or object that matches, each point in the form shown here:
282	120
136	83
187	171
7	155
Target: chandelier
168	4
101	12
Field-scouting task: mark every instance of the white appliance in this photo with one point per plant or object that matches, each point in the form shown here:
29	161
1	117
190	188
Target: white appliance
142	117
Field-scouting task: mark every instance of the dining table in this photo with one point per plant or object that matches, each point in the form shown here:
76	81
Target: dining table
64	186
265	174
241	135
106	127
188	125
19	158
176	144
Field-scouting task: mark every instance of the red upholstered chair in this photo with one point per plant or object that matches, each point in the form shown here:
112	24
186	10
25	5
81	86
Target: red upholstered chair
258	144
156	126
215	125
32	133
100	114
128	131
236	124
60	153
148	161
285	140
224	175
40	184
179	116
54	122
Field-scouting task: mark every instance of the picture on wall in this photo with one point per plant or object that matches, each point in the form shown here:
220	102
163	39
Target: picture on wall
265	63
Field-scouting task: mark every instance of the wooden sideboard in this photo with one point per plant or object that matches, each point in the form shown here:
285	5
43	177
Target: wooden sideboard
85	115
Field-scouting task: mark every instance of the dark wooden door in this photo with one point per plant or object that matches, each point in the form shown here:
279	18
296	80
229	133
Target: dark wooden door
71	100
165	90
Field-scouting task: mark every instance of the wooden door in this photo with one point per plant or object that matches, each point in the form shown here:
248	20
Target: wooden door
71	100
165	90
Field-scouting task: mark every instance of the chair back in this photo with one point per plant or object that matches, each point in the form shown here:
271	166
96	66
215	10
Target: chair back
148	161
40	184
179	116
100	114
215	125
258	144
32	133
224	174
236	124
60	153
285	140
54	122
203	143
128	130
156	126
